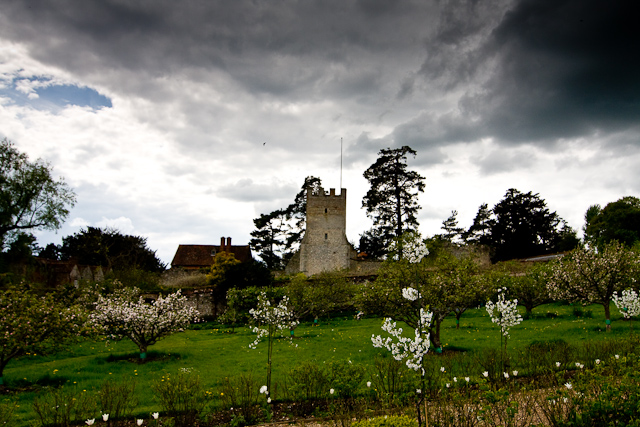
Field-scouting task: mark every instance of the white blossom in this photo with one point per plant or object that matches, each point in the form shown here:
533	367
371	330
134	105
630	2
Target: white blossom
410	293
568	386
263	389
280	317
402	347
90	422
105	417
628	303
504	312
486	374
122	316
155	415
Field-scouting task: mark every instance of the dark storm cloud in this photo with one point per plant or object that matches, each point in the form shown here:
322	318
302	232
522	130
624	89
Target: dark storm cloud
274	47
562	69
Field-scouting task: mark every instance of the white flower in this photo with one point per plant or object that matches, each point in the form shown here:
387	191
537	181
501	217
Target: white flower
466	379
515	373
368	383
263	389
90	422
568	386
331	391
506	374
410	294
628	303
105	417
448	385
617	356
268	400
486	374
139	421
557	364
442	369
418	391
597	361
455	380
504	312
155	415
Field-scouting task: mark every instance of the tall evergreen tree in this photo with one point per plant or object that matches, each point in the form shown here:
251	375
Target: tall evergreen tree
278	234
450	226
481	226
523	226
392	200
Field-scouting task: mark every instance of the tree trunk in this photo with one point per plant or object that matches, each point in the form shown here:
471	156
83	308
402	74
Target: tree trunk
607	315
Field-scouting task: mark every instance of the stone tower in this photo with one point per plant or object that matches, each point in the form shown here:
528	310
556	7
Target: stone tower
325	246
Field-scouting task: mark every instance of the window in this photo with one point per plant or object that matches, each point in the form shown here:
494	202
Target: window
326	236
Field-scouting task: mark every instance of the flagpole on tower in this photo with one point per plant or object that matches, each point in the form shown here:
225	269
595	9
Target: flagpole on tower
340	163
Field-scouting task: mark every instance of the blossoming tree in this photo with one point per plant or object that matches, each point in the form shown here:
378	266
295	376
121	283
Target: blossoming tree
593	277
122	315
505	314
412	349
446	284
270	319
35	324
628	303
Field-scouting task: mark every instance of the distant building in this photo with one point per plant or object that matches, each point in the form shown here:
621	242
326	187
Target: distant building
324	246
195	257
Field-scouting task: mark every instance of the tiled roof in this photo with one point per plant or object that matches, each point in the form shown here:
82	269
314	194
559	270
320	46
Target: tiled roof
198	256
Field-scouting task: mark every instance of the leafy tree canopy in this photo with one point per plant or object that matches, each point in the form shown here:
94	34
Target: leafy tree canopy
111	249
278	233
618	221
522	226
392	200
30	198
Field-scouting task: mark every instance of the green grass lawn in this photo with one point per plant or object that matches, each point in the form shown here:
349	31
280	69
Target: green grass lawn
217	353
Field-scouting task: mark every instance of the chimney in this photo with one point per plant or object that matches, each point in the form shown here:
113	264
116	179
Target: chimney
229	243
222	244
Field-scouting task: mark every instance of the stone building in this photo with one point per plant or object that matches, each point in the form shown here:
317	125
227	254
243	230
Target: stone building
324	246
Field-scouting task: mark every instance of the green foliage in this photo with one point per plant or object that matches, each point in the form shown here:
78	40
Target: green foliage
242	392
29	196
64	407
182	396
387	421
392	381
618	221
32	323
591	276
522	226
307	380
6	411
326	293
526	283
345	377
240	301
392	200
117	399
278	233
110	249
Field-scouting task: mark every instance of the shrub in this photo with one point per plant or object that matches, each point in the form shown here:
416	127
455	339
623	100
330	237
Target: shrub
6	412
345	377
307	381
117	399
242	392
391	380
387	421
64	407
182	396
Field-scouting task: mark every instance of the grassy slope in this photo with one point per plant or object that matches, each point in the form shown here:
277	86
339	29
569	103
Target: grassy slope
216	353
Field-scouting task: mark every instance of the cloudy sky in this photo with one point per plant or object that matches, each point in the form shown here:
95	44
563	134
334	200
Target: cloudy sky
181	121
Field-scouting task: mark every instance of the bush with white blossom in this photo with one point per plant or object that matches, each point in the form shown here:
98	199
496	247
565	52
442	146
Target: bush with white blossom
270	319
504	313
412	349
628	303
122	315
